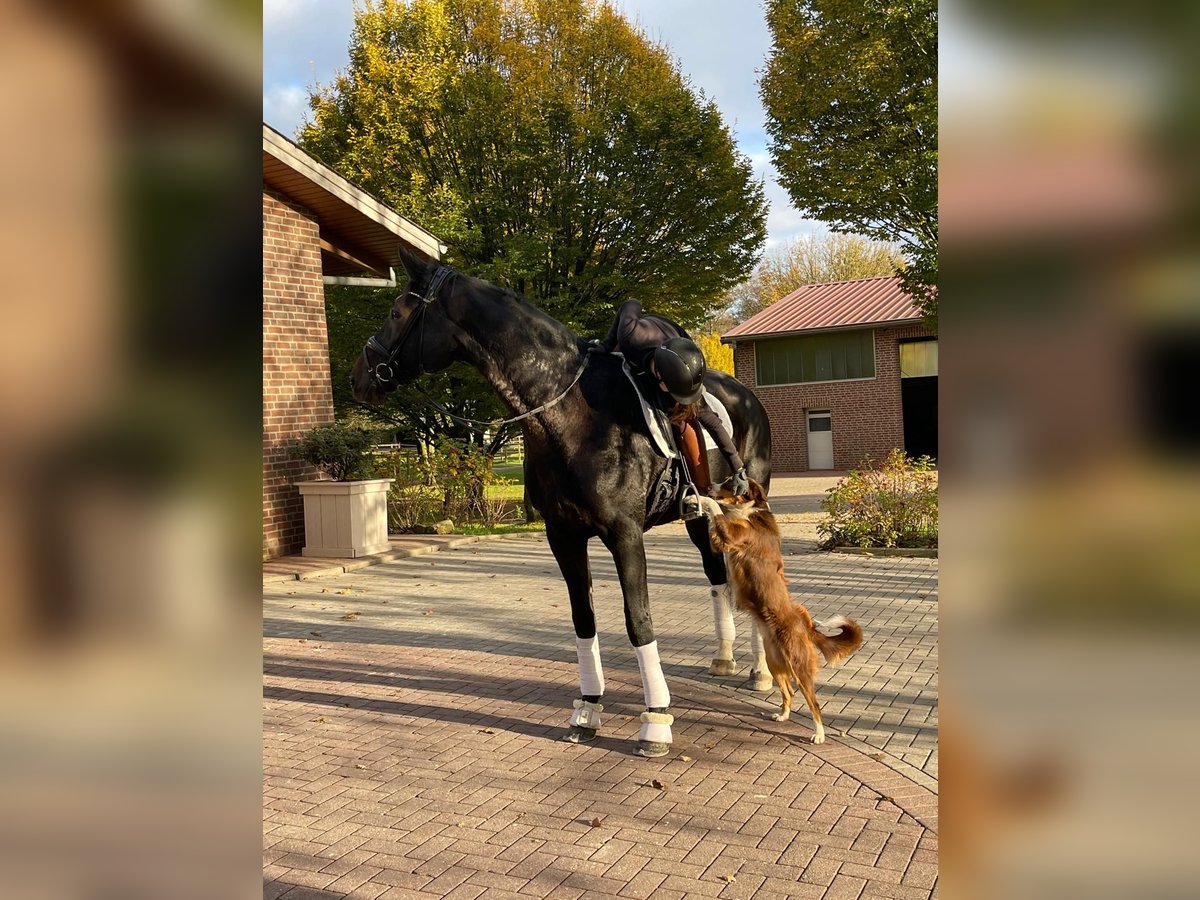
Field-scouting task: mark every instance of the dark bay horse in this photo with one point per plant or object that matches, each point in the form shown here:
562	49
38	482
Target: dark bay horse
590	467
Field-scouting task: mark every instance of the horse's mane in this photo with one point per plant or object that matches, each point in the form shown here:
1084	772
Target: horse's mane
510	298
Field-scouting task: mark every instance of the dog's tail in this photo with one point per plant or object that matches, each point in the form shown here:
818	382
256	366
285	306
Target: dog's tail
841	645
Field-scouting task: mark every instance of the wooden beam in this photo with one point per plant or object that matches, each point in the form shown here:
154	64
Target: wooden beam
384	271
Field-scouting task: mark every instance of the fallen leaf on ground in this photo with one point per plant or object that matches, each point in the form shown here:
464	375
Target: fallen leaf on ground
316	634
486	731
596	822
350	617
304	640
658	784
728	879
428	612
319	719
359	766
686	758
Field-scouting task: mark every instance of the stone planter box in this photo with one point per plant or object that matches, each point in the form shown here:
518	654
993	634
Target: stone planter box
345	519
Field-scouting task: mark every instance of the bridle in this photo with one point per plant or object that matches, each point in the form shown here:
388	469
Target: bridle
383	372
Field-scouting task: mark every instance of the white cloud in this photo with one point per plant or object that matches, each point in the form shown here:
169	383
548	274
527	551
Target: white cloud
284	107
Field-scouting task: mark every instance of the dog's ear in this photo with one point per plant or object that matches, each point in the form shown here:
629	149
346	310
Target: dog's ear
756	493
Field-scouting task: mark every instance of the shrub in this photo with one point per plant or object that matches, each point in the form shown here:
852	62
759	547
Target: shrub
894	505
448	481
342	452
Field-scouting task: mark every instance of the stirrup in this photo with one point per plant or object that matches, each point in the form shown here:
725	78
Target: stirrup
689	503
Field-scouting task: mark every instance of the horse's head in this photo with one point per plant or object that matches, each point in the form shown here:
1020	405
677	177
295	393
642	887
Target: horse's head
414	338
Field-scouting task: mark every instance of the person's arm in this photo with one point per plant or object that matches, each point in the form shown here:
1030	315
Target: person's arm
623	325
712	424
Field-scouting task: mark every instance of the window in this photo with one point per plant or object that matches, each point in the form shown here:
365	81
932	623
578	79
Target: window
838	356
918	359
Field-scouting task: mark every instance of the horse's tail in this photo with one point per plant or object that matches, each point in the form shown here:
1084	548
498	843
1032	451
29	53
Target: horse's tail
837	647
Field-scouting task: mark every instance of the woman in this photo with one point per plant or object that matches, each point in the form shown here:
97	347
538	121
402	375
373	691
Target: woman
671	369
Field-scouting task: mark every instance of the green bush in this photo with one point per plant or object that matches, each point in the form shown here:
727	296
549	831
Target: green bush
894	505
448	481
342	452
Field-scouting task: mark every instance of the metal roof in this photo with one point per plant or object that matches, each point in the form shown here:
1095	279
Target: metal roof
358	232
835	304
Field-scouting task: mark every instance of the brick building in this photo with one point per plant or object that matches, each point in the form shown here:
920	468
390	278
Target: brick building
318	229
844	369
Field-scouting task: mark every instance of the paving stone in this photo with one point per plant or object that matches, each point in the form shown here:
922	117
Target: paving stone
400	742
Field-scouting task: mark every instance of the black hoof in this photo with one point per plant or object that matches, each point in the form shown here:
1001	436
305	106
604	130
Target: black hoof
578	735
652	749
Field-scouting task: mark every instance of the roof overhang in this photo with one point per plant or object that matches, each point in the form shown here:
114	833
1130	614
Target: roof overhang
857	326
360	235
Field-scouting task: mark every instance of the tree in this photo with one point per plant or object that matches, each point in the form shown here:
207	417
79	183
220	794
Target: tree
850	89
716	355
811	259
554	147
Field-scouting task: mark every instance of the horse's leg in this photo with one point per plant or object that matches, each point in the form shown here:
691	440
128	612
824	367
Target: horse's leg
760	674
570	550
722	597
629	553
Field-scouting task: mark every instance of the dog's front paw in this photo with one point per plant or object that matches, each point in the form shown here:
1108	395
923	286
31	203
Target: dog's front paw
780	716
818	738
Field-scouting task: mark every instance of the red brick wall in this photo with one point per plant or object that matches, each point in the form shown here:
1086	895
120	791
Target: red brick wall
297	393
867	415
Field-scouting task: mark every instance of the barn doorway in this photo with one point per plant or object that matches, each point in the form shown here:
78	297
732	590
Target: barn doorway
919	396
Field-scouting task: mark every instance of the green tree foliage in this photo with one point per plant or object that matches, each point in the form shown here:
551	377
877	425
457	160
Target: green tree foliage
554	147
850	89
811	259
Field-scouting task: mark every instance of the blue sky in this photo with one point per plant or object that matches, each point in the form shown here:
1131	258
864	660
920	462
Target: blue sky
719	44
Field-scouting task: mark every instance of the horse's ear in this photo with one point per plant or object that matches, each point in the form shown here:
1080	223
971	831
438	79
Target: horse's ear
414	261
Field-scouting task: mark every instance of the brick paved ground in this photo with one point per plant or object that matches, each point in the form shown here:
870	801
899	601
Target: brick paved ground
413	710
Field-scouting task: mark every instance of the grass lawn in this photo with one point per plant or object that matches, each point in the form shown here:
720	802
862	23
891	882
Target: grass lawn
521	528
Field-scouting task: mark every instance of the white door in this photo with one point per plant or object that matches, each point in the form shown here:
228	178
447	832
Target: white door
820	439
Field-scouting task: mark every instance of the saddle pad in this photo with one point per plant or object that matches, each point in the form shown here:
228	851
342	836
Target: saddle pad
655	421
659	425
722	413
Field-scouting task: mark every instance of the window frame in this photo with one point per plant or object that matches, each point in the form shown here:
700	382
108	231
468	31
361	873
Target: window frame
874	358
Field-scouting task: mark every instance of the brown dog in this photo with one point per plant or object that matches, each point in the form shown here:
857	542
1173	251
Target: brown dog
744	529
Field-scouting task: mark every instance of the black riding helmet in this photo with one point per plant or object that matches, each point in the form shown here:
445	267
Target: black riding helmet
680	366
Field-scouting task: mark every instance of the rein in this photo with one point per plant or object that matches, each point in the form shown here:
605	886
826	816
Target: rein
499	423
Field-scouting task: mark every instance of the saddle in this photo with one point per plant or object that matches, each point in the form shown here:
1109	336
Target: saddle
675	485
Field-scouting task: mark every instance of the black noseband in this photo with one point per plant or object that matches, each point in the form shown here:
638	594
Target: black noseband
383	373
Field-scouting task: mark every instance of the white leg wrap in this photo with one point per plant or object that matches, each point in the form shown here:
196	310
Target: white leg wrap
756	648
656	727
591	675
653	684
722	597
586	715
